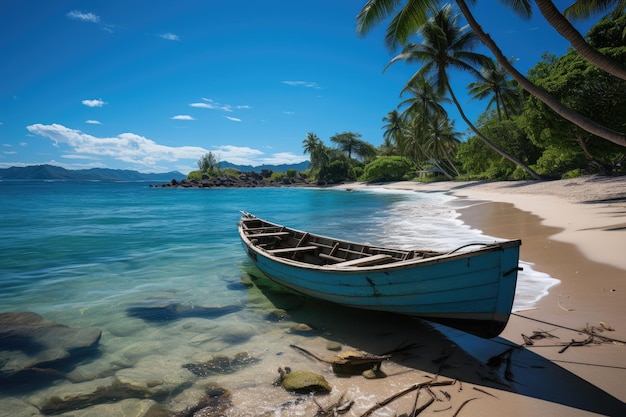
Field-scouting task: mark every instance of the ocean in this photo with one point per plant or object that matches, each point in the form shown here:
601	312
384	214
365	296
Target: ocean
162	274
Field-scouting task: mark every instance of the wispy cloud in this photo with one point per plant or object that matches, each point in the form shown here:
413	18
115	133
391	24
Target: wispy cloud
182	117
289	113
94	103
85	17
93	122
308	84
125	147
169	36
208	103
233	119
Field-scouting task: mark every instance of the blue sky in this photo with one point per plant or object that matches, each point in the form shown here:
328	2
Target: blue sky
152	85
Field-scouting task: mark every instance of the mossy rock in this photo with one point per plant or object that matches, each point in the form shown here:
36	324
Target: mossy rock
305	382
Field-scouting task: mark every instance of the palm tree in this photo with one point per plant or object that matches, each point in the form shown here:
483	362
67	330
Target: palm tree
314	146
393	128
424	103
445	44
569	32
584	9
496	84
441	141
414	13
349	143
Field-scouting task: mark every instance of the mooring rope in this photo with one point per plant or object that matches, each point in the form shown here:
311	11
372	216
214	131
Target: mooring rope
569	328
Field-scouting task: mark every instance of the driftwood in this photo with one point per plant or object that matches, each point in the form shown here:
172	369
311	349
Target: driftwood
414	387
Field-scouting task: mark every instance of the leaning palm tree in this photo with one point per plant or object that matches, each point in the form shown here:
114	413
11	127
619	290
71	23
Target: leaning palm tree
496	85
584	9
447	45
569	32
414	13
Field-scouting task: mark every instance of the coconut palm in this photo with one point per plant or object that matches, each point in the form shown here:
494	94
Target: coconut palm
569	32
496	85
393	130
314	146
441	141
414	13
349	143
584	9
445	44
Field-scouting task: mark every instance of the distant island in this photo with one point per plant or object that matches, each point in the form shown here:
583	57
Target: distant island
51	172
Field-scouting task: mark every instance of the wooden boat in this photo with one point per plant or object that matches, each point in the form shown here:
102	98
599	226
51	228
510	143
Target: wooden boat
470	288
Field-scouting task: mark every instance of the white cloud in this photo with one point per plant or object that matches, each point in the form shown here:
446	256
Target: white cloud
308	84
125	147
208	103
238	155
288	113
169	36
85	17
284	158
233	119
93	122
94	103
183	117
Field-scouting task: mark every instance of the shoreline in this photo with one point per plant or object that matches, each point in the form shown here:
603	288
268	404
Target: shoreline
574	230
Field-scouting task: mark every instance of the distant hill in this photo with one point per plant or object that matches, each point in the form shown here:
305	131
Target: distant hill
302	166
51	172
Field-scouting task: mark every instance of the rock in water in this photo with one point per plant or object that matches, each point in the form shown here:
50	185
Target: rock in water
29	341
304	382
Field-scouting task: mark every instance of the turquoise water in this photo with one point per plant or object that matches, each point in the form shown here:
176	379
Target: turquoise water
94	254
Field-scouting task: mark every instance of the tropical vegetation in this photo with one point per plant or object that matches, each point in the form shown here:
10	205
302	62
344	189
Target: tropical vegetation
565	117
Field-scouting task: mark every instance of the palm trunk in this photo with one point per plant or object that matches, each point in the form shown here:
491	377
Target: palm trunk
569	32
487	141
560	109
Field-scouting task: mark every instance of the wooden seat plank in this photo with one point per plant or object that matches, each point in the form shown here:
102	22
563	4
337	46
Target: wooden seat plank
368	260
288	250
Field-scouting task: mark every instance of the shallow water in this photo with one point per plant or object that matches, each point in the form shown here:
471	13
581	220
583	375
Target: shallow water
160	271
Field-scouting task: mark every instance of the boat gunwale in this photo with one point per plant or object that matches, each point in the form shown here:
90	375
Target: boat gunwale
399	264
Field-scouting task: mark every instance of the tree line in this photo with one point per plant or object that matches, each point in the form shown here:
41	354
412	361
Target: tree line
564	119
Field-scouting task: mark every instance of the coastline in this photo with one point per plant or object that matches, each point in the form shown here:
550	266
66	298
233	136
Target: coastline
573	230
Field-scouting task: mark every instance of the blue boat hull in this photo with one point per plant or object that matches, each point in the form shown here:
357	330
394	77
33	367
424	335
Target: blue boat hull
472	291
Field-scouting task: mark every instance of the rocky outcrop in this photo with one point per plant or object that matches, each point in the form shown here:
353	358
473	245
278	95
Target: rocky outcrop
245	180
29	343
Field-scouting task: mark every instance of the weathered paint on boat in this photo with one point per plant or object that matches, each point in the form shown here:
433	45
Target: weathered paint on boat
472	291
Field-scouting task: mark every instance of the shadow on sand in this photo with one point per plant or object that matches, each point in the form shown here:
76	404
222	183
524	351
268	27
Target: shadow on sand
442	351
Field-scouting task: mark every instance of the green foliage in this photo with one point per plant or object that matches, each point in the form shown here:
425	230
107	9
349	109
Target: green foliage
209	164
194	175
277	176
291	173
554	162
387	168
574	173
231	172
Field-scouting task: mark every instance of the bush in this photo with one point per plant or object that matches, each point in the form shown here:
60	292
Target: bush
387	168
194	175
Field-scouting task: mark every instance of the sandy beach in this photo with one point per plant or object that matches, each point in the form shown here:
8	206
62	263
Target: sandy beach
573	230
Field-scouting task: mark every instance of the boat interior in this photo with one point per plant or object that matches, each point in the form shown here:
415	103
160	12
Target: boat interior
305	247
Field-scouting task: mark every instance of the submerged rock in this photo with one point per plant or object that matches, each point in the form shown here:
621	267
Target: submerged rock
221	364
30	343
168	310
305	382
